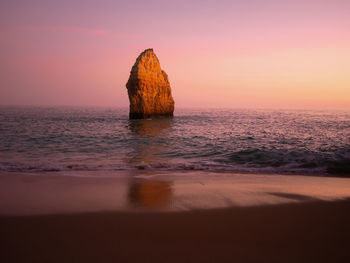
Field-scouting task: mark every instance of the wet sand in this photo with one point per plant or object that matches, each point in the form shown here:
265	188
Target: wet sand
57	193
298	219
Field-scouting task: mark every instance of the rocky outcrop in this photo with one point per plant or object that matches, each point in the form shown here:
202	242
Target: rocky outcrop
149	88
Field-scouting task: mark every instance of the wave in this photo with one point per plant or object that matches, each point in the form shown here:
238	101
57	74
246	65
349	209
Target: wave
294	160
325	167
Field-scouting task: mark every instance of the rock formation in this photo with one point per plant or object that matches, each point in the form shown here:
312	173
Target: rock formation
149	88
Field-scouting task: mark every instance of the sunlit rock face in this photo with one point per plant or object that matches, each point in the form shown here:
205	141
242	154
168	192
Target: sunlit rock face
149	88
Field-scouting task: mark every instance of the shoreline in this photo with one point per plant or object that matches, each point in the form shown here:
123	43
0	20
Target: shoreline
144	169
316	231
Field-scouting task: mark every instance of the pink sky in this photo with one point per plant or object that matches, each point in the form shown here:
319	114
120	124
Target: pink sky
236	54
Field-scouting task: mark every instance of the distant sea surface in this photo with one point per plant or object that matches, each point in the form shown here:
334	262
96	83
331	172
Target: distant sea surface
42	139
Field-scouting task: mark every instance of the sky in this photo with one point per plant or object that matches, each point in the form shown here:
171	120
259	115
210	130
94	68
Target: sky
218	54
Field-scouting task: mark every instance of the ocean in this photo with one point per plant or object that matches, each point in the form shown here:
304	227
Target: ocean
68	139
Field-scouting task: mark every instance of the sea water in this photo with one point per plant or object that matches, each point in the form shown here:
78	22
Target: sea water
42	139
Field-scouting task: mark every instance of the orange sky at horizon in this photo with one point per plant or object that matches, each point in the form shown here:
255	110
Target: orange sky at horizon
230	54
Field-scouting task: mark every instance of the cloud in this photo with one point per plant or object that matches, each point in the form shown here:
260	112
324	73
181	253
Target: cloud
98	32
65	29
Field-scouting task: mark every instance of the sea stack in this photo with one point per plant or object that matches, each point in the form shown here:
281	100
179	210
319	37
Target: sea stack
149	88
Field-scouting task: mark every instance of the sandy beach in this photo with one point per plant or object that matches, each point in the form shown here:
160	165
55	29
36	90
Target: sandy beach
289	226
304	232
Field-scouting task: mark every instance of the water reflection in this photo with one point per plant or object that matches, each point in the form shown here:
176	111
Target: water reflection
151	137
150	127
150	141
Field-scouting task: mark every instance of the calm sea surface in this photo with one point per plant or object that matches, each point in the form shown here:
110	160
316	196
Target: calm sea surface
41	139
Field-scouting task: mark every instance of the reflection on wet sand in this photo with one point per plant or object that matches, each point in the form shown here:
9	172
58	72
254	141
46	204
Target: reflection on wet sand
150	193
144	192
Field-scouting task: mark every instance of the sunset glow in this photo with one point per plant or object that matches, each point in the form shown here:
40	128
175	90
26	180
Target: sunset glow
237	54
